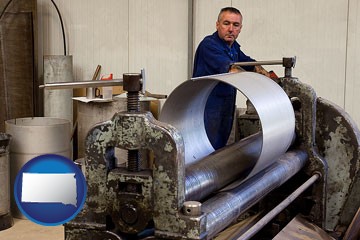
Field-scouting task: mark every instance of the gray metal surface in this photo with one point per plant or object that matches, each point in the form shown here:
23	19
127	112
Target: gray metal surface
58	104
160	201
305	98
222	167
278	209
226	206
184	109
32	137
338	141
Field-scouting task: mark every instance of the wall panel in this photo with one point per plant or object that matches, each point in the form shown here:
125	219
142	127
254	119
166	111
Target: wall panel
158	42
95	34
121	36
306	29
352	97
205	16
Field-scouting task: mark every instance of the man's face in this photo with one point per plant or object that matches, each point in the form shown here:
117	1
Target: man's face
229	26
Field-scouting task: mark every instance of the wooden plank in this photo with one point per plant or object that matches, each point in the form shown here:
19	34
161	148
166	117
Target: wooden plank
353	231
301	229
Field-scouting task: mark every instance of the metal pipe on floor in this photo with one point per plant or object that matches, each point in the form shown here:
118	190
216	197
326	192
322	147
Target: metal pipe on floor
226	206
274	212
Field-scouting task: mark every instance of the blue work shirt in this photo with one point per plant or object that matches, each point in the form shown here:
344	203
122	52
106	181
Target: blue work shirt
214	56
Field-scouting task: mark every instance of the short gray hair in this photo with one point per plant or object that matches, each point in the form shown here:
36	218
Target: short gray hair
229	9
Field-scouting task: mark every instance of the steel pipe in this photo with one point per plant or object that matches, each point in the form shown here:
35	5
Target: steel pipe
226	206
274	212
287	62
271	62
82	84
222	167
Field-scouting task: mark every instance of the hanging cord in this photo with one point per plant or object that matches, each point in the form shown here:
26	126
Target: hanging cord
6	6
62	26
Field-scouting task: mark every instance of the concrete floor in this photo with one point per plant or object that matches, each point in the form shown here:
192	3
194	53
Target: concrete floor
27	230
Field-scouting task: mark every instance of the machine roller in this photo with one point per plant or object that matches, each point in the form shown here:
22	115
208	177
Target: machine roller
304	152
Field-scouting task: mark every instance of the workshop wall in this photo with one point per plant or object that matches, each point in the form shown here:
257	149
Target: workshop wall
125	36
352	86
122	36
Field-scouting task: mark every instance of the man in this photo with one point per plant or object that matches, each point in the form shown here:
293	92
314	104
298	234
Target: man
214	55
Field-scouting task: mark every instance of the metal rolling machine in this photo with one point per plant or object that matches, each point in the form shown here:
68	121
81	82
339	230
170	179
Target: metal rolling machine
298	157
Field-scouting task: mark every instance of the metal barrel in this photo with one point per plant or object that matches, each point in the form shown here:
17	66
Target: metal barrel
222	167
227	205
32	137
5	216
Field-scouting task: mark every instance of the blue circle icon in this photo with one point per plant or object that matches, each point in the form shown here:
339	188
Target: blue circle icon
50	190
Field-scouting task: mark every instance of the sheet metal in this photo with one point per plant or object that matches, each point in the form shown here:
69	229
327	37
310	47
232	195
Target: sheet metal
184	109
209	175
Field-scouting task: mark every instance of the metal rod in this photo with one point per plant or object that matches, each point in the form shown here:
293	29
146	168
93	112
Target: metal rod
217	170
271	62
274	212
143	77
82	84
227	206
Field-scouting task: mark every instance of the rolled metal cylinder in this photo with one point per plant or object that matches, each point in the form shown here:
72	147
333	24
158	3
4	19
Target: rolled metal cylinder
226	206
222	167
185	106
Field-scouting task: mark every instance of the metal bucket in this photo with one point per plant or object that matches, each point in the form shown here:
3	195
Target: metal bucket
6	220
32	137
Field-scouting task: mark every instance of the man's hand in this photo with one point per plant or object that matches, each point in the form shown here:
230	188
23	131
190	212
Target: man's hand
236	69
271	74
258	69
261	70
